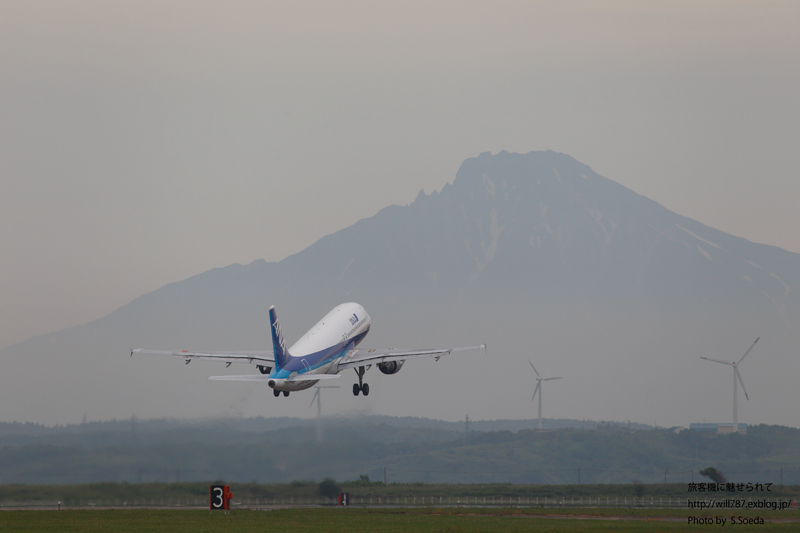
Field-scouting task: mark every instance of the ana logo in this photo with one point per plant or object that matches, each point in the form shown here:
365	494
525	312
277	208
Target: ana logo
353	319
279	335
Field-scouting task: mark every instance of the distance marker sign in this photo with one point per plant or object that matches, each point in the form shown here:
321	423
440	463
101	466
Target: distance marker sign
221	497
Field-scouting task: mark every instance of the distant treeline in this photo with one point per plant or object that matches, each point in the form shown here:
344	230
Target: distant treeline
242	452
261	424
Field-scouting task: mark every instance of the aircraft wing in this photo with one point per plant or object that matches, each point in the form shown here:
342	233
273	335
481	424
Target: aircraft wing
359	357
259	357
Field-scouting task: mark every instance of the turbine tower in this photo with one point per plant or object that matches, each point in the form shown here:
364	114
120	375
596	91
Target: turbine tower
736	375
318	398
538	389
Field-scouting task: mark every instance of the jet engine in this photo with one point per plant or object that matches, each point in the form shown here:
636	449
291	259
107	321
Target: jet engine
391	367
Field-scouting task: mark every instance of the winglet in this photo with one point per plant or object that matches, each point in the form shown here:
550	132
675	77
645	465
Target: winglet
282	355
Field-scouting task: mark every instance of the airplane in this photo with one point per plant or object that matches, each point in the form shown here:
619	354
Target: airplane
322	352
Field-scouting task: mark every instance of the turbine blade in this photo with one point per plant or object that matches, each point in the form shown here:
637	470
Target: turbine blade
747	352
717	361
534	369
738	375
316	395
549	379
538	384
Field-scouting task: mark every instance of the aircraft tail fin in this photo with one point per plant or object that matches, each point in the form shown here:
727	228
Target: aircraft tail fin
278	344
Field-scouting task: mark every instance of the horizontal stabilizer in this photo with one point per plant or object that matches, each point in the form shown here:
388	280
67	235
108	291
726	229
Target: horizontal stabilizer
247	377
313	377
262	377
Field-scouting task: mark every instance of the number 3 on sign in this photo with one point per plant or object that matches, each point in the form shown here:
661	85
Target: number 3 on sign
220	496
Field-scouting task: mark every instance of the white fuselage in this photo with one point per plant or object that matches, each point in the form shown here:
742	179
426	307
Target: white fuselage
321	348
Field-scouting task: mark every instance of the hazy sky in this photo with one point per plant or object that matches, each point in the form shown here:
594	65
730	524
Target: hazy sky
144	142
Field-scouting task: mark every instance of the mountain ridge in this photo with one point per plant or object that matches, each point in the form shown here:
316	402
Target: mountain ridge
523	251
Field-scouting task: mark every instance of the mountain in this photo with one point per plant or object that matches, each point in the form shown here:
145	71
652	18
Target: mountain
534	254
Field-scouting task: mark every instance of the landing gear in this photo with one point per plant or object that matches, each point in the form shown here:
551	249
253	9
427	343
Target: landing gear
276	392
286	393
362	387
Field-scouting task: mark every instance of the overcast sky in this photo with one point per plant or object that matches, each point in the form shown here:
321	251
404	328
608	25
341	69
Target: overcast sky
144	142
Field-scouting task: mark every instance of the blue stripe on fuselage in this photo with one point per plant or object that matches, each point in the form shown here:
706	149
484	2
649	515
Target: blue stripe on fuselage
317	359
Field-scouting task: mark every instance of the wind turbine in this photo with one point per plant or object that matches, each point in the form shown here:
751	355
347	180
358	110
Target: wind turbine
318	398
538	389
736	376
